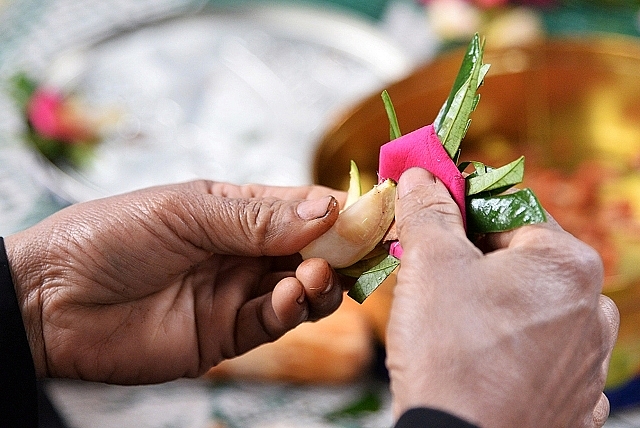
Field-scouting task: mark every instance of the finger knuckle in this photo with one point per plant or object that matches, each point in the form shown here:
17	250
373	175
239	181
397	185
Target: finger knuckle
586	264
256	219
580	263
433	210
440	204
204	186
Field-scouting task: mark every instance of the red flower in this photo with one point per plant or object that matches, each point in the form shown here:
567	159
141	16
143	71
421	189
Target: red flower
55	117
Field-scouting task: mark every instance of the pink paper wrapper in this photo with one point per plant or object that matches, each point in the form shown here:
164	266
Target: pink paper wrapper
422	148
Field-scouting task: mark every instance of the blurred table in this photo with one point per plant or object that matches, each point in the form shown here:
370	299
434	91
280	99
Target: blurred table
199	404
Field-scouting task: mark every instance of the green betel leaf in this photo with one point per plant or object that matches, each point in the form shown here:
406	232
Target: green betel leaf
456	121
496	180
471	57
371	279
377	256
394	127
452	121
454	125
479	167
503	212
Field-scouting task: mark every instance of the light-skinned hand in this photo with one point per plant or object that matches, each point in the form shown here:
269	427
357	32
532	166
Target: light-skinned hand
515	335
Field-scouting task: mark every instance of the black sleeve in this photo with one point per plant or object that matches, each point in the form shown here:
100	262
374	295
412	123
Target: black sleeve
430	418
19	396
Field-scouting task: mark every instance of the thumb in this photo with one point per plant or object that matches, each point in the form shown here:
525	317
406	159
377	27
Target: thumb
268	226
426	212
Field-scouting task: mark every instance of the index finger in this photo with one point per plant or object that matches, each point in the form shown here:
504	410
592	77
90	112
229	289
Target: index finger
247	191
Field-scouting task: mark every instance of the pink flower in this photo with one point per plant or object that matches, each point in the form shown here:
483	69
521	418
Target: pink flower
42	112
55	117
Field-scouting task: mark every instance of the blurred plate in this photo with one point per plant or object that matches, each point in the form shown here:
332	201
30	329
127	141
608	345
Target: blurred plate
236	95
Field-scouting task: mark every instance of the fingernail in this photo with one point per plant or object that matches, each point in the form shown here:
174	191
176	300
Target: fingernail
328	289
304	313
301	297
318	208
412	178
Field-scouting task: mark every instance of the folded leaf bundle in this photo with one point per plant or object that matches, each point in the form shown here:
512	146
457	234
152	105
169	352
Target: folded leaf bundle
435	147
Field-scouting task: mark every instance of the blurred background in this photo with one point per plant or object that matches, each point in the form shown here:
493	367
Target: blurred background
102	97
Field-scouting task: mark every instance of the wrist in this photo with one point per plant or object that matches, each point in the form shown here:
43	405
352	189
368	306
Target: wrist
27	276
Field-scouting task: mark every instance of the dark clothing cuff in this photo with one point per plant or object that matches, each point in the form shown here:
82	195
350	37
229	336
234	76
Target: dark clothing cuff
18	392
430	418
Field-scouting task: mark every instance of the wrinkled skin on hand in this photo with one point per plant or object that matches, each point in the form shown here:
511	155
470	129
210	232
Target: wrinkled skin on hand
166	282
515	335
